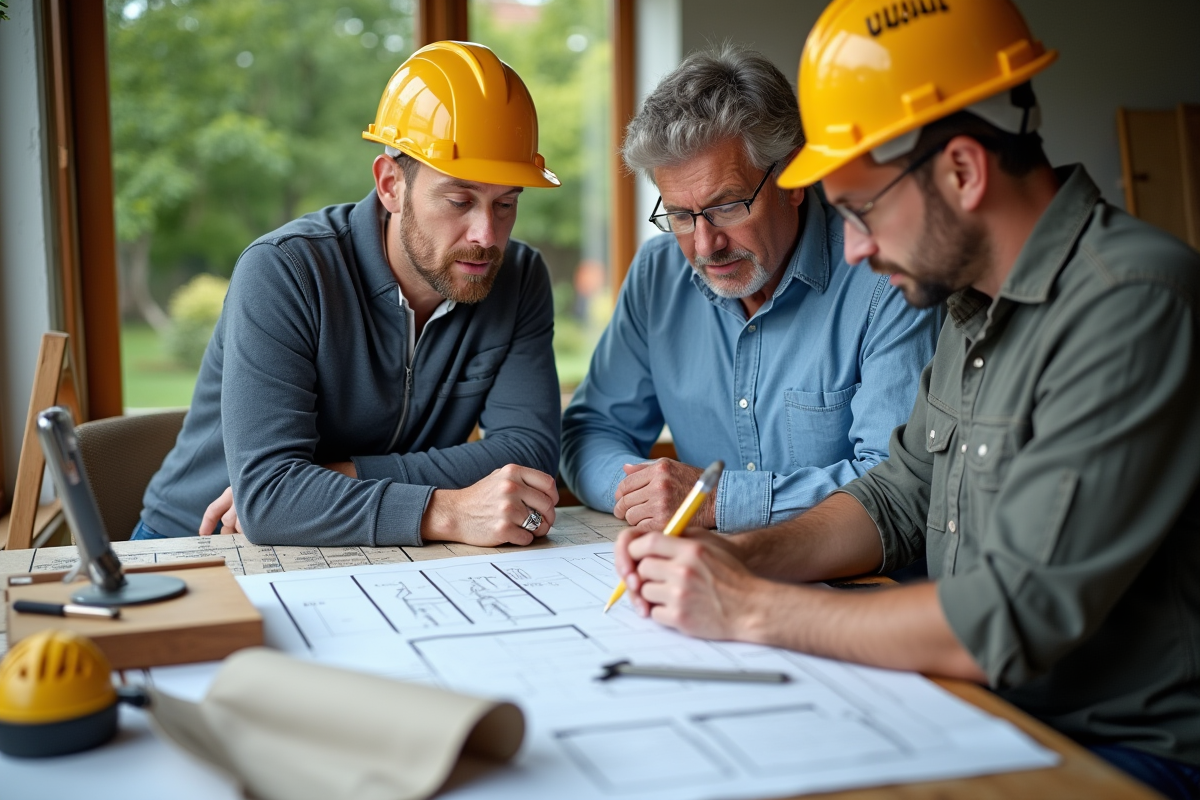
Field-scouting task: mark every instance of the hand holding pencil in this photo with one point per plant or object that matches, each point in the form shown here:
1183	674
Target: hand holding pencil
683	515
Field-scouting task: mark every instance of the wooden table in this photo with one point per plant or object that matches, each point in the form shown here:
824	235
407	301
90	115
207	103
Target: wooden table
1079	775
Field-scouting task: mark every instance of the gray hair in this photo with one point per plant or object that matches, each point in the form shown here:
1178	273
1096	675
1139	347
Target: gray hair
729	92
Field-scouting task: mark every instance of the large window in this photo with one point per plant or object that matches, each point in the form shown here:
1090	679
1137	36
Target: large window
562	50
230	118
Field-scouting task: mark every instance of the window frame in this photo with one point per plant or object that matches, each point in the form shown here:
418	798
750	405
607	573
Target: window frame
82	218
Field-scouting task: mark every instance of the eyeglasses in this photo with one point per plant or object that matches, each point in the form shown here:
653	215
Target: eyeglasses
721	216
855	216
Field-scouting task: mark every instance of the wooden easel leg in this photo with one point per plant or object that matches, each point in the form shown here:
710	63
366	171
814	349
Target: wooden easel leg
32	465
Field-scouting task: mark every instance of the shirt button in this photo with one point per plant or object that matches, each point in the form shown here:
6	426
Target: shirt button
982	450
952	527
933	434
750	466
963	449
753	328
743	403
977	363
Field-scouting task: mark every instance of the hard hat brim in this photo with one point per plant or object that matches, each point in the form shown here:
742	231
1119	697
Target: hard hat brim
812	164
479	170
497	173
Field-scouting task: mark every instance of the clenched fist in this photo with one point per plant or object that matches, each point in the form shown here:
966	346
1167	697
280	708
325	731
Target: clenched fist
492	511
651	493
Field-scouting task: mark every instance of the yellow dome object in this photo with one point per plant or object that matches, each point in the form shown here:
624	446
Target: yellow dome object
458	108
874	70
54	676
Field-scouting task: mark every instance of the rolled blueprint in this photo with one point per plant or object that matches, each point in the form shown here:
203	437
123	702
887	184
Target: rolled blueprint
293	730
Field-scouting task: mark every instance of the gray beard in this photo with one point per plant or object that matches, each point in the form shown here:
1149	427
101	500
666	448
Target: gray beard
758	276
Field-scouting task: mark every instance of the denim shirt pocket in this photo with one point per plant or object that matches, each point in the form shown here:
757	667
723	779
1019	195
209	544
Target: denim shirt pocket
939	435
818	426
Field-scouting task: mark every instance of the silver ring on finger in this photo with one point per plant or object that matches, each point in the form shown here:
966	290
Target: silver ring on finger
533	521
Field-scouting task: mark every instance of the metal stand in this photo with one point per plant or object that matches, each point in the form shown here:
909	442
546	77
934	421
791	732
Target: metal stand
137	589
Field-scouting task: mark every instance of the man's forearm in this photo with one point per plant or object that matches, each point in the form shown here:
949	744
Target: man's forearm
460	465
895	628
835	539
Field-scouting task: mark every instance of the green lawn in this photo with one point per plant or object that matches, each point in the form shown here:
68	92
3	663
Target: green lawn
150	379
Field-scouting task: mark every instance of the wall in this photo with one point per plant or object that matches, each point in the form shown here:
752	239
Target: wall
24	213
1141	55
659	27
1112	54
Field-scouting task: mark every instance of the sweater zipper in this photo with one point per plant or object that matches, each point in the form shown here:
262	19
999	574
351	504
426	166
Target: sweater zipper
408	373
404	411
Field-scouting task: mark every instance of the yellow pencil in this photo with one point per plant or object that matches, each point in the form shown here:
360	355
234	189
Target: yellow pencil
683	515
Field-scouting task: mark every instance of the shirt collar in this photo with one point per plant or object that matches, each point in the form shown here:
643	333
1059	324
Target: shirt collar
366	222
1053	238
445	307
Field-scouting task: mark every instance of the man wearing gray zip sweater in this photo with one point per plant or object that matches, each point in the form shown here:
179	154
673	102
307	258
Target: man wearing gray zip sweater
359	345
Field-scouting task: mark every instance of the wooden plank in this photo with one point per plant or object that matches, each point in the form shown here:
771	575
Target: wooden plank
622	244
64	219
46	514
1126	160
565	496
1152	140
174	566
439	20
33	463
213	619
90	134
3	482
1189	154
663	449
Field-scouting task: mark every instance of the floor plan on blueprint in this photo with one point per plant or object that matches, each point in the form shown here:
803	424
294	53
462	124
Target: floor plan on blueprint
527	626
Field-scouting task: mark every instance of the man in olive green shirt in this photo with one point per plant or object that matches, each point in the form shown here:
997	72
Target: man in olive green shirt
1050	469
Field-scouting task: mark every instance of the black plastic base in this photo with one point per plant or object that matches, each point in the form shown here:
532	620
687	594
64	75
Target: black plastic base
59	738
137	589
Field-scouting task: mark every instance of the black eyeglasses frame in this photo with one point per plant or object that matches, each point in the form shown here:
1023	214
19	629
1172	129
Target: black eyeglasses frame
665	224
854	216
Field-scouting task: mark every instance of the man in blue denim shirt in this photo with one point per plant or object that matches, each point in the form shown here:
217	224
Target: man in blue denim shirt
704	334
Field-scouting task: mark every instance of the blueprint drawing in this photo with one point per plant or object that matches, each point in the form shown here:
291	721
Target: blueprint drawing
527	626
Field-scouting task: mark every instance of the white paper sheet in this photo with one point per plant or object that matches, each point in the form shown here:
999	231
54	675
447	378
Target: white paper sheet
528	627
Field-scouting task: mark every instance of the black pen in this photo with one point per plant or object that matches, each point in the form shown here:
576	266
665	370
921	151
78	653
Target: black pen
618	668
66	610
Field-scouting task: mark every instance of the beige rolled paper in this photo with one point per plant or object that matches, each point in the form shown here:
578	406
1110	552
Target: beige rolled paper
287	729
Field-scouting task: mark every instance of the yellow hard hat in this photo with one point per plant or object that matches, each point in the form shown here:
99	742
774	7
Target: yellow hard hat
458	108
872	71
56	696
52	676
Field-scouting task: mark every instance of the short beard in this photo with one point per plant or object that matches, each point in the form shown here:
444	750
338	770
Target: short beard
953	254
759	275
421	251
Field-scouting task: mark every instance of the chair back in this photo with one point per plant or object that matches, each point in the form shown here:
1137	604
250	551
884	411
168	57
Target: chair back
121	455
